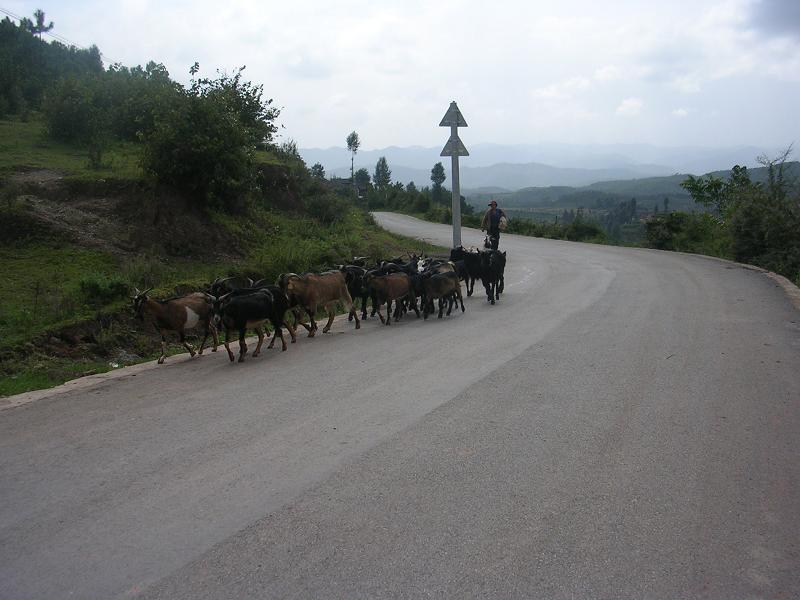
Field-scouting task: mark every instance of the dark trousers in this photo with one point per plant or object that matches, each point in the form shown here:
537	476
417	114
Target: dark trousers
494	239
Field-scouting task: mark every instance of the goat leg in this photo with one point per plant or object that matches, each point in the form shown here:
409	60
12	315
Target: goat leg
260	332
279	332
413	301
215	336
203	343
227	343
186	344
376	307
354	312
291	331
313	330
163	356
296	311
242	345
331	314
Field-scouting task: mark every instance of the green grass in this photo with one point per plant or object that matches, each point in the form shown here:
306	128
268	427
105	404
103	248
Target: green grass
24	146
43	372
44	286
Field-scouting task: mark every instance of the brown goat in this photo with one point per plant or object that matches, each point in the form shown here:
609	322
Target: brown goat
395	286
444	287
178	314
313	290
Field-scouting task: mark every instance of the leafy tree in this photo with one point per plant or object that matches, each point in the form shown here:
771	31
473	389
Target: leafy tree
438	178
383	176
204	140
411	188
37	27
362	180
29	66
79	110
353	143
317	171
244	101
715	193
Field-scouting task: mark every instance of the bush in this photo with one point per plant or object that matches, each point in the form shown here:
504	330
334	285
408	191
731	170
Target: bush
99	291
688	232
144	272
581	230
204	140
327	208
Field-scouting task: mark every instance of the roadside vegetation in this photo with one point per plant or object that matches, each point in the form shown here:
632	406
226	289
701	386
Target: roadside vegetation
751	222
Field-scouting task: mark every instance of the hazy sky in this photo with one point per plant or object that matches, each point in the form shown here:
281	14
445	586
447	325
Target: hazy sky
698	72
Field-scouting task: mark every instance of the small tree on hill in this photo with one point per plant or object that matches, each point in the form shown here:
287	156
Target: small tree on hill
37	27
317	171
352	145
383	176
362	180
438	178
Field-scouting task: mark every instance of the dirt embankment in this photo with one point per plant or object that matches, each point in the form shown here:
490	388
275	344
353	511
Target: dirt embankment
122	218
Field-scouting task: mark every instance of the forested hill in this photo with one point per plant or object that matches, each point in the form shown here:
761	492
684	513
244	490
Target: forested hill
29	66
647	191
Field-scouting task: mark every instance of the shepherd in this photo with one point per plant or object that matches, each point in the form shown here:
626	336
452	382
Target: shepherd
494	220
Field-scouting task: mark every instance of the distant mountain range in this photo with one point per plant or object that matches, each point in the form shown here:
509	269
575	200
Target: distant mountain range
647	191
498	168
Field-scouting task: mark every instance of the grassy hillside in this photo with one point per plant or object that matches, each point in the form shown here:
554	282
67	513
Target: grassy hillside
75	241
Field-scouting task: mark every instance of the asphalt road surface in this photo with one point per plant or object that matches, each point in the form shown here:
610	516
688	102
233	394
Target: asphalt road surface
623	424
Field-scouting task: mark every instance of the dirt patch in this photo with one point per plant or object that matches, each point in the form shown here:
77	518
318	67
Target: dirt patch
42	178
117	217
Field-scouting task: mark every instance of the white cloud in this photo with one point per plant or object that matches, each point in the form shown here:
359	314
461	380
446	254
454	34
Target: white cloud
562	90
608	73
630	107
680	113
520	71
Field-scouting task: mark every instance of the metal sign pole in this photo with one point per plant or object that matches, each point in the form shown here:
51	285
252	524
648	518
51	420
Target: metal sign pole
454	148
456	201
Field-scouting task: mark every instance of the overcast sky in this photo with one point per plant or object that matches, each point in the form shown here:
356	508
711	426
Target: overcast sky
710	73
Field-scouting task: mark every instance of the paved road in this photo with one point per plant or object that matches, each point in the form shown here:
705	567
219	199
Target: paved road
623	423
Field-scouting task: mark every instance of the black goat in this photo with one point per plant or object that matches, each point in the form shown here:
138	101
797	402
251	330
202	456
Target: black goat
243	309
355	278
472	264
493	264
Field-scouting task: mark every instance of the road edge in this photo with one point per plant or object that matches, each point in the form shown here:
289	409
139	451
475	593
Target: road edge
89	381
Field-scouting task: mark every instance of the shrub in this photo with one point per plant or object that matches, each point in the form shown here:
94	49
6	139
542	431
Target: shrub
204	140
99	291
327	208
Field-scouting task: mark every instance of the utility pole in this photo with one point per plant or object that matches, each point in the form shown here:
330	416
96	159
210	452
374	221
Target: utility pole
454	148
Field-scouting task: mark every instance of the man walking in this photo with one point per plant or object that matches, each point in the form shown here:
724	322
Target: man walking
491	223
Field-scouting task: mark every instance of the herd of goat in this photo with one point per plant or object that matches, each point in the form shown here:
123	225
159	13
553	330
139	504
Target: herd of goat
238	304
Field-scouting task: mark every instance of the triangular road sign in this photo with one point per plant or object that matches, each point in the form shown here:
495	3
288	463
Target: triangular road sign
454	147
452	117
